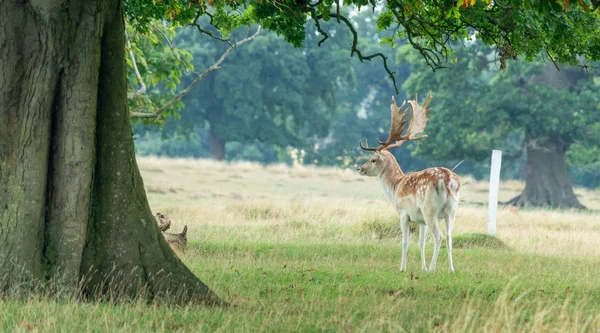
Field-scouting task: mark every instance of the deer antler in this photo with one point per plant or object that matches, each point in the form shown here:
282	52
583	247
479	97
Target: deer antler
398	122
418	119
367	147
416	124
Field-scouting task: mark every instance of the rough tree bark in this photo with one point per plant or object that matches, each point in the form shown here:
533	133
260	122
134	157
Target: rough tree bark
546	180
72	201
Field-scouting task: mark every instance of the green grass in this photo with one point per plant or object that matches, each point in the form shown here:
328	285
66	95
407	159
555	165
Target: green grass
334	287
311	250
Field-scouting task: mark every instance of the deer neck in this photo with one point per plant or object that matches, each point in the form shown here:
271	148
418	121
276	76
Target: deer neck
390	176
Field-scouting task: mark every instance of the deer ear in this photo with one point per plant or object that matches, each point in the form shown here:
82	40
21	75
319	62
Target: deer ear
382	156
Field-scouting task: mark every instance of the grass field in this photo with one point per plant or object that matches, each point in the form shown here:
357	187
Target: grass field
309	249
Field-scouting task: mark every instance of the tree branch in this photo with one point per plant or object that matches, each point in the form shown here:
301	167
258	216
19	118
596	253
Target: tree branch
359	53
552	59
200	77
427	53
142	89
211	34
208	32
354	49
187	65
322	32
313	5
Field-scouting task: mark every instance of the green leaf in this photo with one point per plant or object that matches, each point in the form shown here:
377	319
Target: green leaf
384	20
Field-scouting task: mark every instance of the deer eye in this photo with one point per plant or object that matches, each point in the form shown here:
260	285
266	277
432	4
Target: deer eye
372	161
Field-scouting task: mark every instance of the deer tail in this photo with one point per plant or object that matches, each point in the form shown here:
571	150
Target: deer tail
452	189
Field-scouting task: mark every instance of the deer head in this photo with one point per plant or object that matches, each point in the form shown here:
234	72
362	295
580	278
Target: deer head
397	137
164	222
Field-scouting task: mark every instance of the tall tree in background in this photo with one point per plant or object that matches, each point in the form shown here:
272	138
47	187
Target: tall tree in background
361	108
479	107
267	91
72	202
326	73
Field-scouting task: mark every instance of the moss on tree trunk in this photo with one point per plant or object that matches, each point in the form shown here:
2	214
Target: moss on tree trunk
72	201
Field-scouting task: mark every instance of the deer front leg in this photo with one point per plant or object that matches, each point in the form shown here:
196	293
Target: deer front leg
404	228
422	233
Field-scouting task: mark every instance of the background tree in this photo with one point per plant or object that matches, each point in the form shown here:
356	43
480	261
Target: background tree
357	108
267	91
362	108
531	108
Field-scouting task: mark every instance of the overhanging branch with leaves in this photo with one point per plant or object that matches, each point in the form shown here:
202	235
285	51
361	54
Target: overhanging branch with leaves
199	78
354	48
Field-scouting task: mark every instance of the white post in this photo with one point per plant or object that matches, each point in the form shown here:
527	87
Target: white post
494	186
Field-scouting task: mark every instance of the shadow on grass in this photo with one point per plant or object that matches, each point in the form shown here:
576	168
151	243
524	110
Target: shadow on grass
385	227
390	228
477	240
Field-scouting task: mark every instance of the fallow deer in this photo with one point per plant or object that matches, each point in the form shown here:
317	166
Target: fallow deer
423	197
164	222
178	242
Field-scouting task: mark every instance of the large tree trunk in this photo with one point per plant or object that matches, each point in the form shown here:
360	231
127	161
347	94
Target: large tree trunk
72	202
546	180
217	146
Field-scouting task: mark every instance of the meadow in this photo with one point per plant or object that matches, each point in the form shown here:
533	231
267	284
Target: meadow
305	249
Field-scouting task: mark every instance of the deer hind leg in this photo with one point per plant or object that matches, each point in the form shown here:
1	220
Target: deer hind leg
431	219
405	231
422	233
449	227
